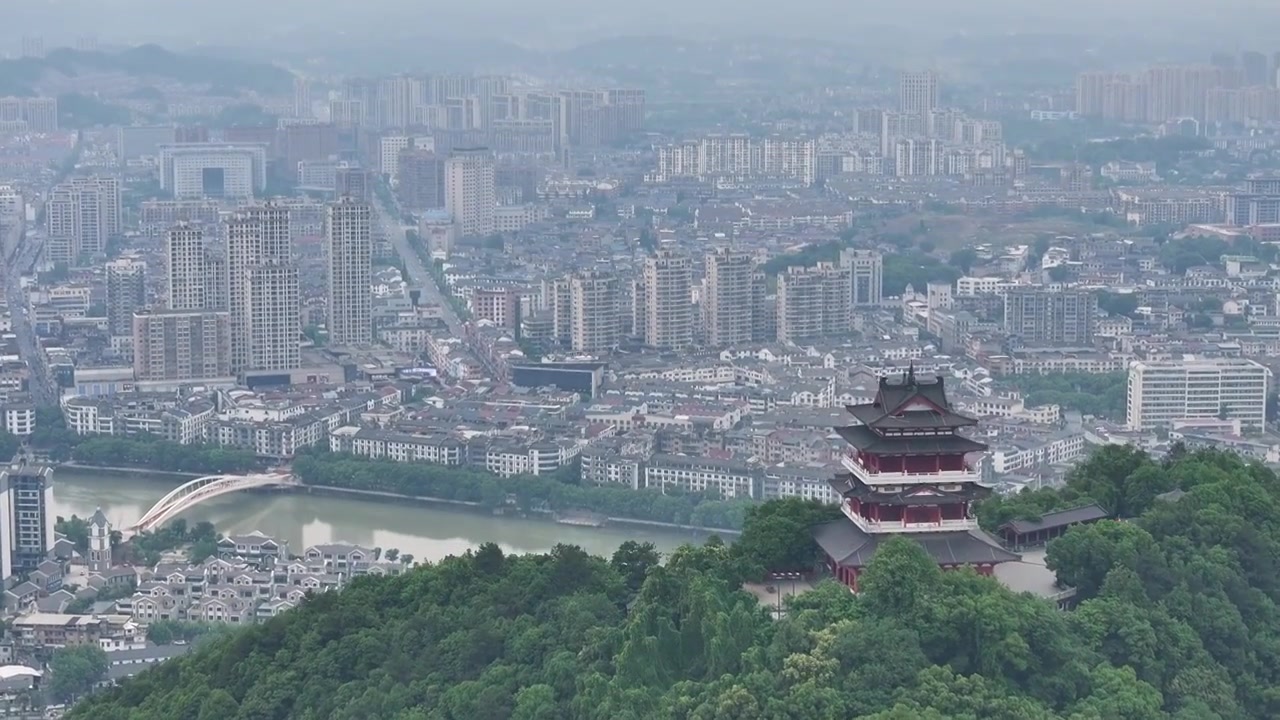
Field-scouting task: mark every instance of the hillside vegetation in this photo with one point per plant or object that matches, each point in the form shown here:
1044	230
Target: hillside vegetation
22	76
1178	619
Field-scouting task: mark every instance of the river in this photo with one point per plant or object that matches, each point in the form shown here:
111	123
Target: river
428	532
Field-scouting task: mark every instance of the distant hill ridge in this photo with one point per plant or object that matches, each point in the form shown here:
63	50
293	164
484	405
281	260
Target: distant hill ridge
22	76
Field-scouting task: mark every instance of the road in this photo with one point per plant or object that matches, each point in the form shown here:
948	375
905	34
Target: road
42	389
419	276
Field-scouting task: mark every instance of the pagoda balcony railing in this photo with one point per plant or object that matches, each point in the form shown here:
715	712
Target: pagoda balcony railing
871	475
902	526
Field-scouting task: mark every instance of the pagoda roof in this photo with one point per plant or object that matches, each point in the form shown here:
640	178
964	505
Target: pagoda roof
910	403
848	485
849	546
866	439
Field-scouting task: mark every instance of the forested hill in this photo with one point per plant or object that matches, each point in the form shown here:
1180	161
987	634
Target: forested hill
1178	620
23	76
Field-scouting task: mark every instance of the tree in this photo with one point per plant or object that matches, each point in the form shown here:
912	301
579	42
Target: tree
75	670
777	537
391	554
632	560
1084	556
963	259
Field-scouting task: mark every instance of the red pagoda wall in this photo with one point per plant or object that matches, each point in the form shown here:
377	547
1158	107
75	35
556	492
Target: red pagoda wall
848	576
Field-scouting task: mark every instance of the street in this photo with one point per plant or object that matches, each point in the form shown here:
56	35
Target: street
419	276
42	390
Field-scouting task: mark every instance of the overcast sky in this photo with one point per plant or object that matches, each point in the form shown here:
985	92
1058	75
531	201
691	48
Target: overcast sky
562	22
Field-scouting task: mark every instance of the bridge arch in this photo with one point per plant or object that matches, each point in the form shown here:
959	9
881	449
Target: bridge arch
194	492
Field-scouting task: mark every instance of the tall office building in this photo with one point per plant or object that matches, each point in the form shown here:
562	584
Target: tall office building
668	276
126	294
349	246
918	92
1043	317
1163	391
728	297
188	269
214	170
813	302
262	290
867	270
593	301
181	345
26	512
470	192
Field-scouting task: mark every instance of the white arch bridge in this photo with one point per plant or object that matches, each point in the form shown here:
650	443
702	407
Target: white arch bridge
194	492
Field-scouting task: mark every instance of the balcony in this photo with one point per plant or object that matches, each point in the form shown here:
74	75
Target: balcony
875	527
872	477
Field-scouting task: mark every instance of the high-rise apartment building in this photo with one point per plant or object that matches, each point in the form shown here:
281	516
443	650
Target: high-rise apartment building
188	268
593	316
668	276
181	345
126	283
918	92
1254	66
867	270
353	182
1091	91
262	290
421	180
470	191
1163	391
349	246
1042	317
82	215
26	514
813	302
728	297
301	97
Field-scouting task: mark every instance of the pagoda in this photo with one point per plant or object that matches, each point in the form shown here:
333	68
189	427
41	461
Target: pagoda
908	474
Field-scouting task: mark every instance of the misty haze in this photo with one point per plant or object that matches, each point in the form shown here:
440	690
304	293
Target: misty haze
404	360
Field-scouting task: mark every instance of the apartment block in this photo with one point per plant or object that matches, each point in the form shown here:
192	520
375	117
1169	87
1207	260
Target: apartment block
813	302
1163	391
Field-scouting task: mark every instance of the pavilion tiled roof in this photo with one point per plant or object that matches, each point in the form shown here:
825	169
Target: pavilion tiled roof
849	546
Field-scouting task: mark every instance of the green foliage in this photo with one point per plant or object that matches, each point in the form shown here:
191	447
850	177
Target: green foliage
808	257
162	455
1178	619
1165	151
9	445
1180	254
776	536
85	111
1092	394
529	492
168	632
20	76
76	529
916	269
149	546
74	670
1118	303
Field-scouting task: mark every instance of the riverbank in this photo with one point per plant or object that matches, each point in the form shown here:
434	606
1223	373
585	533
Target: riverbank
130	471
541	515
376	495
